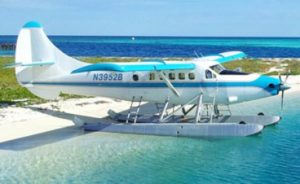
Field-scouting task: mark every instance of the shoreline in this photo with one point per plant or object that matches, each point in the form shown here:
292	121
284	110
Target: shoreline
262	58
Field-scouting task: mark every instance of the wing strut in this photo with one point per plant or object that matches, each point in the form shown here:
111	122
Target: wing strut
168	83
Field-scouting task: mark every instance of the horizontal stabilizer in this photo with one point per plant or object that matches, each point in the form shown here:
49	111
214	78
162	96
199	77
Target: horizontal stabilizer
34	63
225	57
132	67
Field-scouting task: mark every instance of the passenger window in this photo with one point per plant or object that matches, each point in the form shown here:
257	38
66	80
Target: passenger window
181	76
161	77
135	77
172	76
191	76
152	76
209	74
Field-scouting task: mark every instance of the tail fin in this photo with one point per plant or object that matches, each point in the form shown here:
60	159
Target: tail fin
37	59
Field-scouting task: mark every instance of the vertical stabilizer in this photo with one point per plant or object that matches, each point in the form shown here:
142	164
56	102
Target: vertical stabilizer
37	59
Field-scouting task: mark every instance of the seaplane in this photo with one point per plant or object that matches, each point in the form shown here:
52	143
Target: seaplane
191	87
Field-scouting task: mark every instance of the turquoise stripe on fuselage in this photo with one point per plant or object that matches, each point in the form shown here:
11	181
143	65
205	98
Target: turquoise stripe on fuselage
142	66
262	82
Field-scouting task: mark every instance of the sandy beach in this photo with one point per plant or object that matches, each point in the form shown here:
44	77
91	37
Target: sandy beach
19	122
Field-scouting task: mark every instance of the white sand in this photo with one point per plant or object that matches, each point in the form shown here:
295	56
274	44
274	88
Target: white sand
18	122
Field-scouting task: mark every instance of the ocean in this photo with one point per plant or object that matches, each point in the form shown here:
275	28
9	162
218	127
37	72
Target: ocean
127	46
77	157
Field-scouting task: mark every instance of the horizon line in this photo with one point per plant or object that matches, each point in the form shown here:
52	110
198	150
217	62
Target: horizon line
172	36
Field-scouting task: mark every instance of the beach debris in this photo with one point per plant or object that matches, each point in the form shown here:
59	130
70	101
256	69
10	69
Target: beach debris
42	109
55	107
82	103
101	102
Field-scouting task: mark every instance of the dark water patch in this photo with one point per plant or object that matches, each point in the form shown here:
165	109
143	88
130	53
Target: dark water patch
168	46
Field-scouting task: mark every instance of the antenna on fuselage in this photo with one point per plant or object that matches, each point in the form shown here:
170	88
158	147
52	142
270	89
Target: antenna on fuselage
197	55
195	52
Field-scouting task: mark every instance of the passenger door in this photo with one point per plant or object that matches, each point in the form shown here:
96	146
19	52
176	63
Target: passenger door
210	84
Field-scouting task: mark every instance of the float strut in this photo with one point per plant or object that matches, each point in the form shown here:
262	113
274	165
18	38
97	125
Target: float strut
199	105
164	110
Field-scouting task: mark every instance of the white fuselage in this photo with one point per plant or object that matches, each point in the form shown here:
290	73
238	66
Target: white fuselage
227	88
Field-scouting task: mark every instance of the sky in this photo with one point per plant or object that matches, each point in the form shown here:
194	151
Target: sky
154	17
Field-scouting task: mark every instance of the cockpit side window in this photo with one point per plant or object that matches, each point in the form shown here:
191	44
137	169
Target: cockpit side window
209	75
217	68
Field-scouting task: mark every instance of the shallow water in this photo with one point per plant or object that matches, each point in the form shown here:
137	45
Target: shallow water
77	157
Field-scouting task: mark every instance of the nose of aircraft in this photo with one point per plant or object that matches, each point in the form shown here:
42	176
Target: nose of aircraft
271	84
275	85
283	87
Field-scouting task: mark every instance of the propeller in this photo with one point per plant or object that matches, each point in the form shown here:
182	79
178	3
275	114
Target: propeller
283	87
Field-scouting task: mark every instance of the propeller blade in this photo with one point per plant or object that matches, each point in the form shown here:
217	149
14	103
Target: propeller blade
283	87
286	78
279	76
282	97
287	74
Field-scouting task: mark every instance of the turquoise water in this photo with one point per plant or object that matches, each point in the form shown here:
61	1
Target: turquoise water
169	46
271	157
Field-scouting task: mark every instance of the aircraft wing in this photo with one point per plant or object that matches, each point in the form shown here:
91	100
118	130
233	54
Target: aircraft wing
156	65
225	57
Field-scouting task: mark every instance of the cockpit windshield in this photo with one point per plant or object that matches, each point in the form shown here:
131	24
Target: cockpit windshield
217	68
